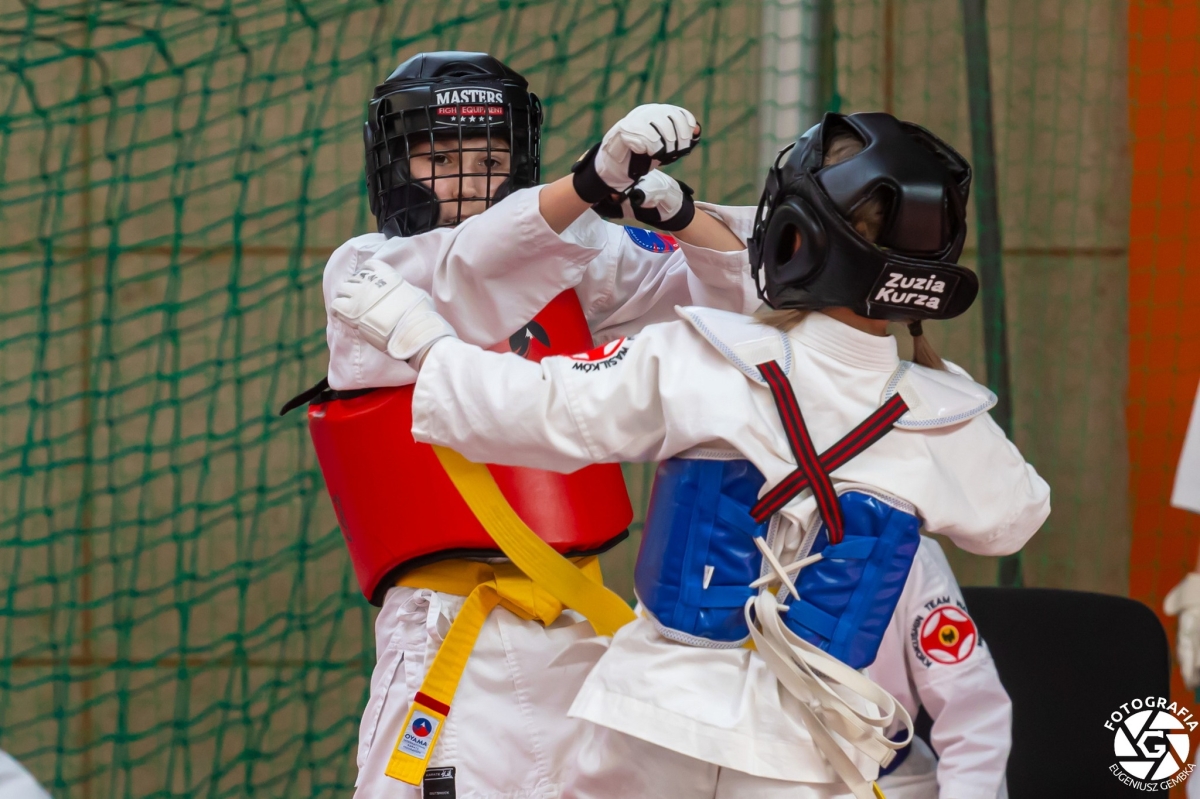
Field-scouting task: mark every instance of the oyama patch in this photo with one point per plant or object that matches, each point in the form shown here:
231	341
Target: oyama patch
946	636
603	357
908	287
416	739
651	240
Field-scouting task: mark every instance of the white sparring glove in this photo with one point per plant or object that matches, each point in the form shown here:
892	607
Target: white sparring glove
648	137
657	200
393	315
1184	602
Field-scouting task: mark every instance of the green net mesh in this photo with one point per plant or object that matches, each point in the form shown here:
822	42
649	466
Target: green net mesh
178	616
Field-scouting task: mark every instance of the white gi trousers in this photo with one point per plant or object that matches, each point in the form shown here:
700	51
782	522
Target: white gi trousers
916	777
612	764
508	735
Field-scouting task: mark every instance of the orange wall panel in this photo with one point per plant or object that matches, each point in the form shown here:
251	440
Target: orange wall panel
1164	292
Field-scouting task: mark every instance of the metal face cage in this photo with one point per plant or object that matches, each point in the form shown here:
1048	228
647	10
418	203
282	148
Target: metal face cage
437	154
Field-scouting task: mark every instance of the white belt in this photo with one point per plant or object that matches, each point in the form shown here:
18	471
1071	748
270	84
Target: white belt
808	673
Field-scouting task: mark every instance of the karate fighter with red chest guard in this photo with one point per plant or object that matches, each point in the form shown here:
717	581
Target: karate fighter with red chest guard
452	143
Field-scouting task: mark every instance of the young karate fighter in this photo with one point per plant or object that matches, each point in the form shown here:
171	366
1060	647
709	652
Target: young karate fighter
452	144
933	657
799	459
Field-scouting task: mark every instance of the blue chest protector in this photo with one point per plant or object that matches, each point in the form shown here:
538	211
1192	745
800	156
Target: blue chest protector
698	558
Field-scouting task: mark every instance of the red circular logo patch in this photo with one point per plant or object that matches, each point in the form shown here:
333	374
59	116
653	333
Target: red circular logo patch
601	352
948	635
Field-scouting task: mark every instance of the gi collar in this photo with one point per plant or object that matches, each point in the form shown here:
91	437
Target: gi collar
847	344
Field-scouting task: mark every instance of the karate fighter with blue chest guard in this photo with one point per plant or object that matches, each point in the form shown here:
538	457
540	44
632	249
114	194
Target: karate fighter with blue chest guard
800	458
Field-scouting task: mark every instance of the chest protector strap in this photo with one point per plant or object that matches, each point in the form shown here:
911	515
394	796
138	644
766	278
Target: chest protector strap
811	470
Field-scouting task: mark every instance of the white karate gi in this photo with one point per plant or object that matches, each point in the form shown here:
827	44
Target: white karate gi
509	735
957	684
688	388
16	782
1186	491
1186	495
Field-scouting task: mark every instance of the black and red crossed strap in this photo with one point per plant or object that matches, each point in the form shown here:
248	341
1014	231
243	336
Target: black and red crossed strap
813	470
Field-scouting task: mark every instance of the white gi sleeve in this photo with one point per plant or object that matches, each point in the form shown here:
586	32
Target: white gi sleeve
353	363
496	270
1186	492
630	285
989	501
627	400
722	279
955	679
488	276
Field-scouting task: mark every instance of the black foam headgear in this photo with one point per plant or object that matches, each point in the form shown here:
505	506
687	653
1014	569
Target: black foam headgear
909	271
446	96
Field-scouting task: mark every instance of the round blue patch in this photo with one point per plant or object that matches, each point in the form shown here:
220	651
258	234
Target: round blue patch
652	241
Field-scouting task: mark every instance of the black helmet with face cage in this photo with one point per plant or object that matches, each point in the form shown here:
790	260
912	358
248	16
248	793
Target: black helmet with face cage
444	97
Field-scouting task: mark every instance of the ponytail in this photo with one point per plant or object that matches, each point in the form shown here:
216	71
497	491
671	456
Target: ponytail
923	351
783	320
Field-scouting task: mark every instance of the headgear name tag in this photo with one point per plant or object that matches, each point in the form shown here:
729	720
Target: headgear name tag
904	287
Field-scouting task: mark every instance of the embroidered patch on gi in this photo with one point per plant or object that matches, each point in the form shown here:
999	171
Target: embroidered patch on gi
438	783
652	240
603	357
947	635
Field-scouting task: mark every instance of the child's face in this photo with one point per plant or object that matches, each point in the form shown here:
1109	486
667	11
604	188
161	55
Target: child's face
462	180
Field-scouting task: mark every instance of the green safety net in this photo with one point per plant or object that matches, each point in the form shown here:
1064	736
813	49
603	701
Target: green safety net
178	616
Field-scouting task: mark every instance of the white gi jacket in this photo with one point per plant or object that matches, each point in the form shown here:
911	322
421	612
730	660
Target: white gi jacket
489	276
954	678
492	273
687	387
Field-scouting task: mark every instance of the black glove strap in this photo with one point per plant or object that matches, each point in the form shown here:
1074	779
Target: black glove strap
588	185
650	216
609	208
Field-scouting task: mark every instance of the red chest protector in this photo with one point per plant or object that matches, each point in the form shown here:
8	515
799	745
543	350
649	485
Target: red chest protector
397	507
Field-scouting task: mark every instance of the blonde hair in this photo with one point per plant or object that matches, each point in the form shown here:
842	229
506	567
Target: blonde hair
923	352
783	320
867	218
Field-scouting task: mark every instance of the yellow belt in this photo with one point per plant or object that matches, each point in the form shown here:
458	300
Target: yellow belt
536	585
